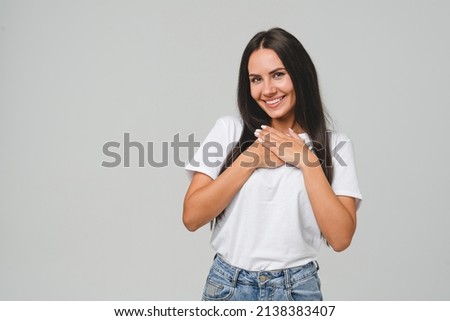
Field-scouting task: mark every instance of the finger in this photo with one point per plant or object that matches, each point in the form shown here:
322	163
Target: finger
271	134
302	138
266	136
268	129
270	145
294	134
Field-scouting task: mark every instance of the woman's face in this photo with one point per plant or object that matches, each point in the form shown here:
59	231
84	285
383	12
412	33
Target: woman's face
270	84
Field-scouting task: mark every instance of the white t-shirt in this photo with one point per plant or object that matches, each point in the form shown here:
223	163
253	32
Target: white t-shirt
269	224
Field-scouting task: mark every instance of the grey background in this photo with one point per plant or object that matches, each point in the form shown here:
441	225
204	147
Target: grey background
77	74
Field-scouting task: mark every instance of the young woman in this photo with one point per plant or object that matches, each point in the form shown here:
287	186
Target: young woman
274	181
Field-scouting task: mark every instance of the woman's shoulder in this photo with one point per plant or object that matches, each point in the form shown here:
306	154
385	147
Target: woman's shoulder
226	129
232	125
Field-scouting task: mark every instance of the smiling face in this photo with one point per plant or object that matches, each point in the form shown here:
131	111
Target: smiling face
270	84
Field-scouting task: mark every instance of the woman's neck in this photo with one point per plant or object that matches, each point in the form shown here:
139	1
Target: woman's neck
283	125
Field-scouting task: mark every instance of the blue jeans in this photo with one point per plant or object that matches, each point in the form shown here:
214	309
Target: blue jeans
228	283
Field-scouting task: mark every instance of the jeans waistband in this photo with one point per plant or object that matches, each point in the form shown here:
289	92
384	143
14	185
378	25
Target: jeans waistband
282	278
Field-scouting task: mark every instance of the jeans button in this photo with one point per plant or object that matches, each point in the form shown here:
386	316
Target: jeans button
262	278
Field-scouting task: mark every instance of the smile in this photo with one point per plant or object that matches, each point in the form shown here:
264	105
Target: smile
275	101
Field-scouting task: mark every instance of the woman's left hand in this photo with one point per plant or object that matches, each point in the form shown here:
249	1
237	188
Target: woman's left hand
287	146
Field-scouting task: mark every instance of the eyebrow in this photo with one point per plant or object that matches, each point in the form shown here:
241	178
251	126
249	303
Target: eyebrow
270	72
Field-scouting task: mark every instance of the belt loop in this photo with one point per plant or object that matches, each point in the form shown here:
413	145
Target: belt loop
287	279
236	276
317	265
234	270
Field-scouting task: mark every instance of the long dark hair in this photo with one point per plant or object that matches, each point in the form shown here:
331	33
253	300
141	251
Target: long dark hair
309	111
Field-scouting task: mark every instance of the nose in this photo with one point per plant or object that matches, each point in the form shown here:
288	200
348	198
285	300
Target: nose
269	89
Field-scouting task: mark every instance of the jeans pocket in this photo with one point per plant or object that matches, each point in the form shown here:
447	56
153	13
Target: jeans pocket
306	290
217	287
217	292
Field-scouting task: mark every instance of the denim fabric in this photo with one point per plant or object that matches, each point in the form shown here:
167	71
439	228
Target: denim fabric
228	283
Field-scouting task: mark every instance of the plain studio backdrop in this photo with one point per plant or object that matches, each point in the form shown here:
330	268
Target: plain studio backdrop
76	75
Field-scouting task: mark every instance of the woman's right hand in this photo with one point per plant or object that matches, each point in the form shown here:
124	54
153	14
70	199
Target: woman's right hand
206	197
258	156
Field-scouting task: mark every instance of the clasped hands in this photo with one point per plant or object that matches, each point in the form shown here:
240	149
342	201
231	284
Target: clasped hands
273	148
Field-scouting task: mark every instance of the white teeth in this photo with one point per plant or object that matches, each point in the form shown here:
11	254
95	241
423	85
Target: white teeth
273	102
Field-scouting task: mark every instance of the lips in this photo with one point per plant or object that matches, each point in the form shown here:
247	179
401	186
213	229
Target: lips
274	102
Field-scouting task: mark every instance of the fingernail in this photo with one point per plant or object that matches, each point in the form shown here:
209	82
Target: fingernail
257	132
263	126
290	129
260	140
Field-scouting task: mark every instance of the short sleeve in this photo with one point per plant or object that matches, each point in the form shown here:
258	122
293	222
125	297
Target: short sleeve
209	157
345	178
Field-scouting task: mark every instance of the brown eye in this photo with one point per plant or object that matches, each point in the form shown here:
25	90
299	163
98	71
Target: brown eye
255	80
278	74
